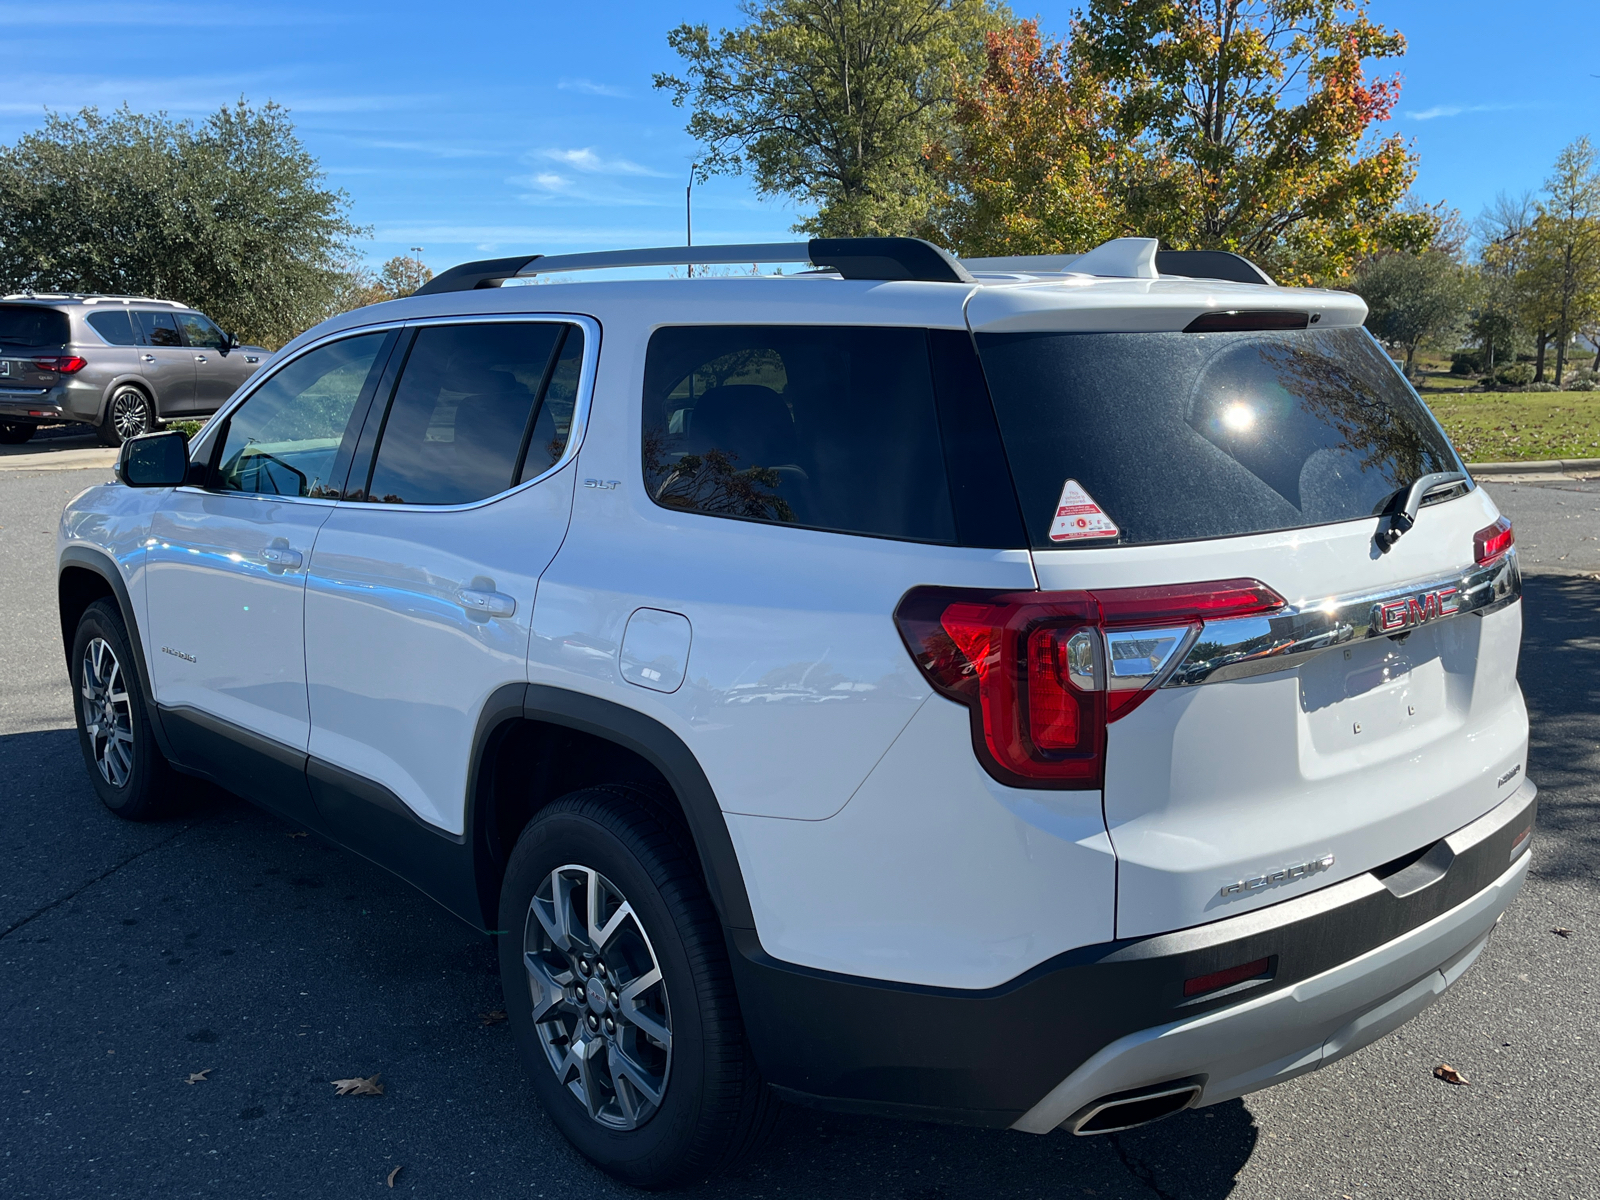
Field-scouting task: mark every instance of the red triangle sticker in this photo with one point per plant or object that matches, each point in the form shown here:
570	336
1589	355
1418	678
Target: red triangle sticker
1078	516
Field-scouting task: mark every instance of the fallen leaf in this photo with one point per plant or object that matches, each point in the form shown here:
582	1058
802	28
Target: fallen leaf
1449	1074
493	1018
358	1087
298	833
1562	933
392	1174
199	1076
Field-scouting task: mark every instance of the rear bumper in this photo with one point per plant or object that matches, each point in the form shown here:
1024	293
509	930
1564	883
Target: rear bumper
34	404
1349	963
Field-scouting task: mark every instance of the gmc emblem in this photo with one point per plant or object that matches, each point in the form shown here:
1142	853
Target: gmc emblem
1396	615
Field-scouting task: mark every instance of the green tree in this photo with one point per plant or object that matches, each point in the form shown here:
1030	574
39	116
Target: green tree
1495	319
1413	298
1028	164
1562	276
231	215
831	102
396	279
1254	122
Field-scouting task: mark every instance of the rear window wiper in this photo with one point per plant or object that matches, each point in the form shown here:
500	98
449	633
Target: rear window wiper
1406	516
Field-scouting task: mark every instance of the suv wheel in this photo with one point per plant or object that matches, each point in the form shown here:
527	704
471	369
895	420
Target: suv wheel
15	433
128	414
619	993
127	768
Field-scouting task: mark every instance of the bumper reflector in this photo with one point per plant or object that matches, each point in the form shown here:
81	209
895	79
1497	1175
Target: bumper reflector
1201	984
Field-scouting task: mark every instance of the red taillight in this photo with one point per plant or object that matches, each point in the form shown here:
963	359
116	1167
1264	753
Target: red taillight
1489	544
65	363
1217	980
1044	673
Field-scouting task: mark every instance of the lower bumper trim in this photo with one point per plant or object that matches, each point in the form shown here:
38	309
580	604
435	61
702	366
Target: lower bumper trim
1290	1032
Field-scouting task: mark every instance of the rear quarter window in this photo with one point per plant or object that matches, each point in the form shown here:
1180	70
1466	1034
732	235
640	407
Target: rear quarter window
831	428
33	325
1184	436
116	326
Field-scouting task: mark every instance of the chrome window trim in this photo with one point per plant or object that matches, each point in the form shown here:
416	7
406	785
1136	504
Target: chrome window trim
1240	647
582	402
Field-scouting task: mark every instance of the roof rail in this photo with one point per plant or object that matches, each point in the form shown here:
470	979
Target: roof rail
854	258
92	298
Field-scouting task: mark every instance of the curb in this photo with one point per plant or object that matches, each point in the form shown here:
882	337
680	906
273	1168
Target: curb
1556	465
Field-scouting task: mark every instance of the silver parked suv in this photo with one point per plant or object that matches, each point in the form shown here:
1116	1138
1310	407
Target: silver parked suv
119	363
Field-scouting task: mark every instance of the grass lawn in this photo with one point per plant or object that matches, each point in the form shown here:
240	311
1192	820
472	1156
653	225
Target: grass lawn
1515	426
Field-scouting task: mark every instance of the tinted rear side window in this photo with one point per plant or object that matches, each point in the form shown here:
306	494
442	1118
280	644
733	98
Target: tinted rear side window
160	328
1179	436
829	428
463	412
32	325
116	326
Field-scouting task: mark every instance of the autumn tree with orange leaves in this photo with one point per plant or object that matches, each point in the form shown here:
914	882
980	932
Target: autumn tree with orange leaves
1242	125
1031	164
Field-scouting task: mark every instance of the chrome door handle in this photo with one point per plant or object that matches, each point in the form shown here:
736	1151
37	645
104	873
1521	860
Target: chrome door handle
200	358
484	603
148	357
280	556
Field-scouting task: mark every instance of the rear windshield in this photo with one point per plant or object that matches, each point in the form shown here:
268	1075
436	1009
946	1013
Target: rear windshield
31	325
1179	436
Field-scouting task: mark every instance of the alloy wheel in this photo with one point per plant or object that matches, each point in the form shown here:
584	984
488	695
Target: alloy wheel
107	712
130	413
599	999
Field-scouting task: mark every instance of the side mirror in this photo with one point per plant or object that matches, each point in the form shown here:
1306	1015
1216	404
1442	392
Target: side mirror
155	460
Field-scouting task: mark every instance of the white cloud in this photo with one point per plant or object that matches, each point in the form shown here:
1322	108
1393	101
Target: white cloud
1456	110
590	163
590	88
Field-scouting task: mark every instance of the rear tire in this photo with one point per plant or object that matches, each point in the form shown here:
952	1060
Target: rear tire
652	1082
129	413
129	773
14	433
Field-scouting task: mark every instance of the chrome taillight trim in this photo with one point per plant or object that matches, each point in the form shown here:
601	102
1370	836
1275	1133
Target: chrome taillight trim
1239	647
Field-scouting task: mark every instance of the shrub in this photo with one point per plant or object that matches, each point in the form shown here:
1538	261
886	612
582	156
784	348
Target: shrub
1542	387
1466	362
1515	374
1583	385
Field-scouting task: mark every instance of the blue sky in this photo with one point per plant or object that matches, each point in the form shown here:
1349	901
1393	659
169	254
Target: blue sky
492	128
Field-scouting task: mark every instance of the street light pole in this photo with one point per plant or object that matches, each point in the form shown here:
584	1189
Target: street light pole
688	214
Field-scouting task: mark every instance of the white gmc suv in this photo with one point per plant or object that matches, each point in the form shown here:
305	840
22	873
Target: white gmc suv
1037	693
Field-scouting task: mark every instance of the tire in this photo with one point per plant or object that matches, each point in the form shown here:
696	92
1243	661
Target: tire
129	773
649	1111
14	433
129	413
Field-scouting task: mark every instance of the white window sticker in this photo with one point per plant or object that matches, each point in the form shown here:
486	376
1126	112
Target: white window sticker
1078	516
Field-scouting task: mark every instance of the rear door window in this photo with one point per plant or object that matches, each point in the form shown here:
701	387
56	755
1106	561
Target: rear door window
33	325
285	439
822	427
1183	436
466	413
116	326
159	328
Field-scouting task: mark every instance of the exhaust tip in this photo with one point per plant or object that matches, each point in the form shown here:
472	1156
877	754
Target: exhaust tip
1129	1110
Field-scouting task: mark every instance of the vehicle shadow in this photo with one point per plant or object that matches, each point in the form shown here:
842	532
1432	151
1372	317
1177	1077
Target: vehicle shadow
1560	676
284	963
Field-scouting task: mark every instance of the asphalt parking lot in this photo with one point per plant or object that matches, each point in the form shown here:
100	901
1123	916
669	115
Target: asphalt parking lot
134	958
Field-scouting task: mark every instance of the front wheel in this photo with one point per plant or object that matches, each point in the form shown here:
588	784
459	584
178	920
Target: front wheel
619	994
129	773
